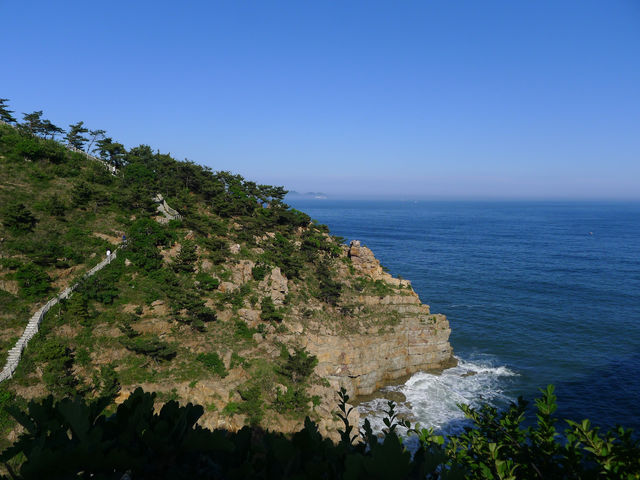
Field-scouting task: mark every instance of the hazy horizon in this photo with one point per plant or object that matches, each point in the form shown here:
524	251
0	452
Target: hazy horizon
437	189
432	100
459	198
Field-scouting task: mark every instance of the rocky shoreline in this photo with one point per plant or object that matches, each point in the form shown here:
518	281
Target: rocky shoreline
369	360
363	359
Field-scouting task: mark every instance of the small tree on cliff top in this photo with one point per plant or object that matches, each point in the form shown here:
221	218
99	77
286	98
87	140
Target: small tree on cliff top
5	113
33	122
75	136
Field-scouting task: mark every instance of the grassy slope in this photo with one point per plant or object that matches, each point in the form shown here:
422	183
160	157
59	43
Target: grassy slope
153	299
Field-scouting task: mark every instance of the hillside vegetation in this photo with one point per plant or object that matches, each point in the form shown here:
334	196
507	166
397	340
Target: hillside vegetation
196	309
210	308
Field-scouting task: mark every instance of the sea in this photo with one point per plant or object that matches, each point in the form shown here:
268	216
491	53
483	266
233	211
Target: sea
536	293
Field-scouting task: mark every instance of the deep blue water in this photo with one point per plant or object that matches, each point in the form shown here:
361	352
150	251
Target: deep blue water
536	293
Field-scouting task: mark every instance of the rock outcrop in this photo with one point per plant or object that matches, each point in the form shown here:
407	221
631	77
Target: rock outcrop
366	361
276	286
387	338
366	263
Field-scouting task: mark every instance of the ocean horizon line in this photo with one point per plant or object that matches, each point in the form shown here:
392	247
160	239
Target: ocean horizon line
417	199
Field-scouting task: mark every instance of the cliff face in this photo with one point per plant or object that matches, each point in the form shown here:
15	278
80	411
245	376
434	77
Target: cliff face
364	361
379	333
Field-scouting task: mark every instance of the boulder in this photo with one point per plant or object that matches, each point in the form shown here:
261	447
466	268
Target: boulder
275	285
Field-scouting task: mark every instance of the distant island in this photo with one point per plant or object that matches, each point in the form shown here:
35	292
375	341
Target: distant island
314	195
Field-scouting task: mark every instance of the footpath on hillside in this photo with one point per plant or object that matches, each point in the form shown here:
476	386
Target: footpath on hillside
15	353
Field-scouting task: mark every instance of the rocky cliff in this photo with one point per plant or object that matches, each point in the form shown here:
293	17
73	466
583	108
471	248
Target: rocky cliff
378	334
366	360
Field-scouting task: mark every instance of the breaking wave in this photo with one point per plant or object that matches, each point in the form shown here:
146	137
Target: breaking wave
432	399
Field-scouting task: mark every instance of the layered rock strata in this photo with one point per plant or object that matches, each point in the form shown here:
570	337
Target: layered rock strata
368	360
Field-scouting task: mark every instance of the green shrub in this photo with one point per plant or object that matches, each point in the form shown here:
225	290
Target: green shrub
6	399
183	297
108	383
268	311
236	297
218	249
167	444
127	330
297	367
17	218
55	206
238	360
81	194
151	346
203	314
78	310
242	330
213	362
33	280
207	282
330	289
103	286
145	236
314	243
10	263
294	399
9	302
231	408
36	149
82	357
285	255
379	288
252	405
46	253
58	363
259	271
187	256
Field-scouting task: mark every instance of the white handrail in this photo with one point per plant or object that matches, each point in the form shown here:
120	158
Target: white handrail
15	353
34	323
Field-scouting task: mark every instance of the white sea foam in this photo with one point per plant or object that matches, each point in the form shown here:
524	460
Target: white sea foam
432	400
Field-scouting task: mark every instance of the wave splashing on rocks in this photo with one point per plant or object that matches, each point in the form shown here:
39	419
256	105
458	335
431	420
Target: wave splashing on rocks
432	399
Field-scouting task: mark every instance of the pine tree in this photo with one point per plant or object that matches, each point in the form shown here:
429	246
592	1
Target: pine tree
78	310
48	128
55	206
111	151
33	122
18	218
186	258
95	135
268	311
5	113
75	136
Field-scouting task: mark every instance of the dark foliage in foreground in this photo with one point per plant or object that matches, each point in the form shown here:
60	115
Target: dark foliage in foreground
75	439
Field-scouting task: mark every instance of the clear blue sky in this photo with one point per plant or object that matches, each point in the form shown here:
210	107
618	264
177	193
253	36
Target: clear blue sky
526	99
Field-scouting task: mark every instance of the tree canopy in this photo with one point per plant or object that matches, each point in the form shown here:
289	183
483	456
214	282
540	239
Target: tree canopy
6	114
75	136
